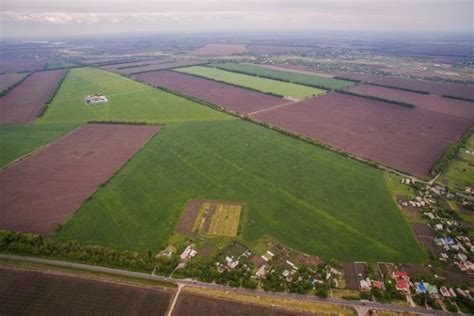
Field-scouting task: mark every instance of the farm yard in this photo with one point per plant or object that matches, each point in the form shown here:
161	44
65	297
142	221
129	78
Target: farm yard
24	103
406	139
305	79
128	100
30	292
234	99
58	179
234	160
261	84
19	140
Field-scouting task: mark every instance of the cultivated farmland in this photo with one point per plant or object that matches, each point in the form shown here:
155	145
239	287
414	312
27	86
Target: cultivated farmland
300	78
225	220
19	140
8	80
232	98
252	82
199	305
40	192
310	199
145	66
460	172
407	139
128	100
219	49
438	88
429	102
35	293
24	102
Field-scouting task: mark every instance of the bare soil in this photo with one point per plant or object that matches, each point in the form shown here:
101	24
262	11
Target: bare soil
234	99
197	305
8	80
160	66
35	293
436	88
24	102
423	230
406	139
350	276
42	191
430	102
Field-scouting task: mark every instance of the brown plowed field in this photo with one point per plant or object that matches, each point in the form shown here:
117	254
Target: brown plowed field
8	80
232	98
23	103
191	304
132	66
160	66
35	293
350	275
407	139
41	192
438	88
429	102
217	49
8	65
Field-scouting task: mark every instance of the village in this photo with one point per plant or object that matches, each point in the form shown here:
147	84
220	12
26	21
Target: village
445	283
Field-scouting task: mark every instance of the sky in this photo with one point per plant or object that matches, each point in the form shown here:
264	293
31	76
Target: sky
59	18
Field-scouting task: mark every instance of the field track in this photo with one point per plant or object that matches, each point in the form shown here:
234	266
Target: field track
23	103
406	139
35	293
40	192
234	99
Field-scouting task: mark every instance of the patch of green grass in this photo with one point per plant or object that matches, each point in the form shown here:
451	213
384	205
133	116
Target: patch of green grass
19	140
252	82
128	101
306	79
460	173
311	199
394	185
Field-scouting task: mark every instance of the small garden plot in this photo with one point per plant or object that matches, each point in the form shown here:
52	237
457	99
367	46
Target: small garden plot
225	221
203	217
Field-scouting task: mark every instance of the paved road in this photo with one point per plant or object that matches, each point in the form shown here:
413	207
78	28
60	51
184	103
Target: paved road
358	305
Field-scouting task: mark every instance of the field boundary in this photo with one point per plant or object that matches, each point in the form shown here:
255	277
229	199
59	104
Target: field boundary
45	107
322	87
232	84
37	150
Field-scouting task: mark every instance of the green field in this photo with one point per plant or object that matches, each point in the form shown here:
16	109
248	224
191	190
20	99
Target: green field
19	140
310	80
460	173
309	198
128	101
252	82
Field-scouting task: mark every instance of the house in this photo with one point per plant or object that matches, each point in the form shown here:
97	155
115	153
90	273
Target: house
377	284
231	262
444	291
462	256
262	271
402	281
188	253
420	288
432	290
465	265
365	285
